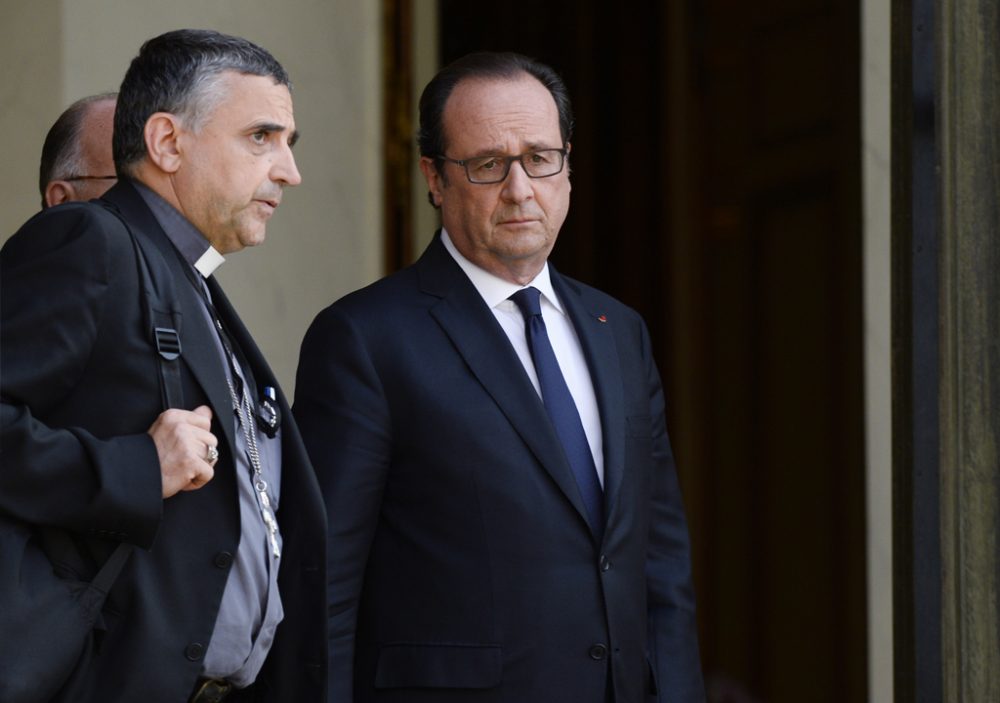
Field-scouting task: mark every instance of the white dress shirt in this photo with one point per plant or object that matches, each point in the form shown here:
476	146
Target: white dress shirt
496	293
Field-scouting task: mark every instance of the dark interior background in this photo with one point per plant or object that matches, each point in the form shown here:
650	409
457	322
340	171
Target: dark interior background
717	189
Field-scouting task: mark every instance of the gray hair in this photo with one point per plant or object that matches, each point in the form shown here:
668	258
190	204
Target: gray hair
181	72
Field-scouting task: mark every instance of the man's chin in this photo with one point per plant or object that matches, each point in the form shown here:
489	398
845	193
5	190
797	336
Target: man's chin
526	244
253	237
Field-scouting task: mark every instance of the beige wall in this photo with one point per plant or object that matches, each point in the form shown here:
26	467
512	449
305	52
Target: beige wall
30	99
876	133
326	238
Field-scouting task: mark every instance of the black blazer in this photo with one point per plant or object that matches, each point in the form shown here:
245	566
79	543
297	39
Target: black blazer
461	564
80	389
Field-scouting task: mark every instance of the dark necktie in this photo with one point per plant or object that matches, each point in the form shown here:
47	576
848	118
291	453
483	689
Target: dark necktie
561	408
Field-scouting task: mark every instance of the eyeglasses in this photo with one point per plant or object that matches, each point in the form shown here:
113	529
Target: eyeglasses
540	163
88	178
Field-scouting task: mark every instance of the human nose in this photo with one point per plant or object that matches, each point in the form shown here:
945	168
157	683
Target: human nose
517	186
284	168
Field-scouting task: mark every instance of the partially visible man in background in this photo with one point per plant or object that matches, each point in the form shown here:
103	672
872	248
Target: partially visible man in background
76	157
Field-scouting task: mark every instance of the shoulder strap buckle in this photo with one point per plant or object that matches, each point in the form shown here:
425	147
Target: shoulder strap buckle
168	342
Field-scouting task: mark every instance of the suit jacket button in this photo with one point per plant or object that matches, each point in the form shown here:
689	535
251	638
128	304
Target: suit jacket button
223	560
598	652
194	651
605	562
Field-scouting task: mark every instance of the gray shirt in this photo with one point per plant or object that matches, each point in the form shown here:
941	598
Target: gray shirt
251	605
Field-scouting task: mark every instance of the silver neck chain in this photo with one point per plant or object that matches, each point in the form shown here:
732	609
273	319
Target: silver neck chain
244	409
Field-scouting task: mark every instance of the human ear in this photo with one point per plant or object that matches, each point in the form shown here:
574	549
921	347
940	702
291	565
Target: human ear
161	133
57	192
433	178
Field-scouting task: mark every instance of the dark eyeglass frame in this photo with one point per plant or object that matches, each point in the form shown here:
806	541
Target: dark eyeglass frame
87	178
507	161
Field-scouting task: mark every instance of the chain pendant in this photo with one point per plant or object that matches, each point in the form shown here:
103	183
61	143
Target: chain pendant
272	532
244	412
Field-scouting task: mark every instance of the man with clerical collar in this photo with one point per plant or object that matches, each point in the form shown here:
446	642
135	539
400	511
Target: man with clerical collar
215	602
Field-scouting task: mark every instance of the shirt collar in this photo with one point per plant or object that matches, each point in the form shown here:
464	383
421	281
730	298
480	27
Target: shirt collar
191	243
495	290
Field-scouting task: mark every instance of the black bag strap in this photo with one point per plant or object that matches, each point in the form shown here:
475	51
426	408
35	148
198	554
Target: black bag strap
165	324
109	572
163	320
160	316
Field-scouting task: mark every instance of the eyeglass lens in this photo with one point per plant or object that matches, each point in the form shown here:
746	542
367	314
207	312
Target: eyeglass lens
493	169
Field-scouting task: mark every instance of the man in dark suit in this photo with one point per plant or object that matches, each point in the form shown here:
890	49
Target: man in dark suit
505	520
224	594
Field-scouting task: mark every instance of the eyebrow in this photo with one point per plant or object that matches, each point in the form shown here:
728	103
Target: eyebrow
499	151
539	146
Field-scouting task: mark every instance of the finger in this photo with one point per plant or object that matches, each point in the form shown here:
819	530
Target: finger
200	417
202	437
203	476
169	421
204	411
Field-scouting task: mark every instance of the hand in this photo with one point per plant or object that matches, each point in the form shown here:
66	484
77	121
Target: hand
182	439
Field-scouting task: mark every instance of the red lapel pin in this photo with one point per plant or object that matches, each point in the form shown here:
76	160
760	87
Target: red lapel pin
602	318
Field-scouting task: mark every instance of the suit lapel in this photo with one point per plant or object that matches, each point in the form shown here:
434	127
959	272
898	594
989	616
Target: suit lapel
597	339
235	327
198	341
481	342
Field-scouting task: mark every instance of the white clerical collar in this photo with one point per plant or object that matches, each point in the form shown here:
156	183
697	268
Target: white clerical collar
193	246
209	261
495	290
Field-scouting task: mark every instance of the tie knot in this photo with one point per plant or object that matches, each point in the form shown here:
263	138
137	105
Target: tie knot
529	300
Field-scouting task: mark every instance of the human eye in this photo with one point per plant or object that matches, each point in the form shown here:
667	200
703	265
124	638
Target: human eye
542	158
259	138
486	164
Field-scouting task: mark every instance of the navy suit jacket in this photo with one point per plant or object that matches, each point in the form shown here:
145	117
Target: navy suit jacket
461	565
80	387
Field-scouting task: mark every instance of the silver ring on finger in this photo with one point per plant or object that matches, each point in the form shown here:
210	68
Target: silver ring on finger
211	454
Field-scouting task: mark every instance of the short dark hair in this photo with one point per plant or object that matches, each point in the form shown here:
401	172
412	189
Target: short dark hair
180	72
485	65
61	151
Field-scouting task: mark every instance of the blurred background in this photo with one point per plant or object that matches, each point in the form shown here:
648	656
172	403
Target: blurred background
730	181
